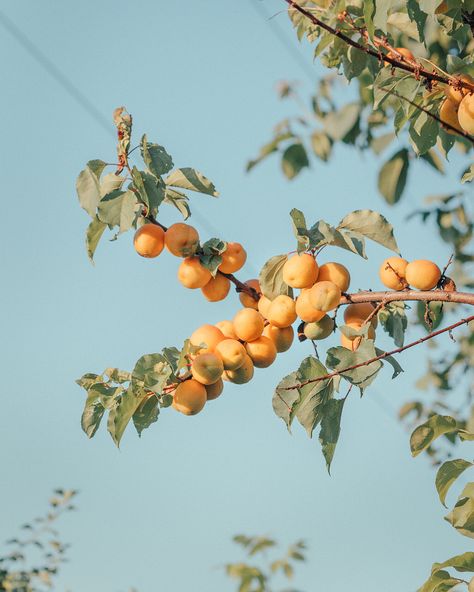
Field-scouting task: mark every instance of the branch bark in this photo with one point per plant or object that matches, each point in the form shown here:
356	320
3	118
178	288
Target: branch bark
407	296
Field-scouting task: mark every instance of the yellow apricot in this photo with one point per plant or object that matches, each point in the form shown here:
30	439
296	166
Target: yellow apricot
233	258
262	351
319	330
353	343
182	240
149	240
231	352
189	397
208	336
282	338
192	274
214	390
300	271
241	375
216	288
466	114
336	273
227	329
249	301
357	313
325	296
305	310
207	368
457	95
448	113
392	273
248	324
422	274
264	306
282	311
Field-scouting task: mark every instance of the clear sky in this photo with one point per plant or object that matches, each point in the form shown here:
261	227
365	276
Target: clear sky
199	77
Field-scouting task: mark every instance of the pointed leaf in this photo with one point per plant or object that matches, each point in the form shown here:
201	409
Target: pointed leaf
94	232
88	186
393	176
447	474
191	179
271	278
330	428
371	225
427	432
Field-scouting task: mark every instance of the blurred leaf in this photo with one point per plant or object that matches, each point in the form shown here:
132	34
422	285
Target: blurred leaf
447	474
427	432
293	160
393	176
269	148
339	123
322	145
461	516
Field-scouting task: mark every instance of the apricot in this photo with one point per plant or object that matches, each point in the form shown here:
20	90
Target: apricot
422	274
192	274
207	368
457	95
189	397
263	306
305	310
282	338
241	375
227	329
466	114
182	240
392	273
231	352
149	240
248	324
470	587
336	273
442	8
233	258
262	351
300	271
208	336
319	330
325	296
448	113
353	343
216	288
214	390
357	313
404	52
249	301
282	311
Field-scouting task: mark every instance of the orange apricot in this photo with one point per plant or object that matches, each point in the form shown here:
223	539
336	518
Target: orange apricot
466	114
231	352
282	311
282	338
149	240
207	336
354	342
227	329
448	113
189	397
305	310
263	306
191	274
247	300
233	258
325	296
457	95
248	324
262	351
357	313
392	273
216	288
207	368
241	375
300	271
182	240
422	274
336	273
214	390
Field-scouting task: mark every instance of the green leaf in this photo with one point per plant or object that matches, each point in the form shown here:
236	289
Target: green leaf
462	515
179	201
94	232
381	14
371	225
118	208
339	358
293	160
394	321
393	176
271	278
150	190
405	24
146	414
434	311
110	183
322	145
330	428
269	148
92	414
300	230
379	144
122	412
423	132
417	16
397	369
88	186
339	123
435	583
447	474
157	160
191	179
468	174
284	398
151	372
210	257
369	12
461	563
427	432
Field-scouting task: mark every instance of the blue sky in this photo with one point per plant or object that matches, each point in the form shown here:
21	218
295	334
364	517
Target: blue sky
199	78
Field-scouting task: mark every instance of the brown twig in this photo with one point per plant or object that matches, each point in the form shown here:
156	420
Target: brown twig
409	295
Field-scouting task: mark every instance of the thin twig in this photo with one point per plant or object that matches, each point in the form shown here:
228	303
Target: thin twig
408	295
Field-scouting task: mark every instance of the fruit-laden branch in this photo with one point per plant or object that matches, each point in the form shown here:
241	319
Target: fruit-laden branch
417	69
408	295
381	356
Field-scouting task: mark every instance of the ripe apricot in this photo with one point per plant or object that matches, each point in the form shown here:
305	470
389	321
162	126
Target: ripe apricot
392	273
448	113
282	311
325	296
182	240
300	271
227	329
282	338
207	336
149	240
319	330
263	306
422	274
353	343
457	95
192	274
357	313
214	390
466	114
247	300
404	52
207	368
262	351
216	288
189	397
231	352
336	273
241	375
233	258
305	310
248	324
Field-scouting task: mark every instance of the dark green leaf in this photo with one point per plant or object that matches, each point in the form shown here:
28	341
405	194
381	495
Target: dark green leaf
269	148
157	160
394	321
330	428
393	176
397	369
293	159
146	414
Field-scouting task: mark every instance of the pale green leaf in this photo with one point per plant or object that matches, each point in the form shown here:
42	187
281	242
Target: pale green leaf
271	277
371	225
427	432
188	178
393	176
88	186
447	474
330	428
94	232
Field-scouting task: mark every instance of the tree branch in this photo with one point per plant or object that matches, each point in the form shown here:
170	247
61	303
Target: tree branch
407	296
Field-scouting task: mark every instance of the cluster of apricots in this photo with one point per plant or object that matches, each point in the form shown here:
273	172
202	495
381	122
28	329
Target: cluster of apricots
182	240
231	350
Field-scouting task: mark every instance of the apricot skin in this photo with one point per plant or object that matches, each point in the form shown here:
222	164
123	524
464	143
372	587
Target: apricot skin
336	273
214	390
207	368
305	310
227	329
233	258
263	306
262	351
248	301
357	313
457	95
353	343
191	274
216	288
243	374
189	397
392	272
466	114
282	311
320	329
182	240
300	271
282	338
231	352
325	296
207	335
248	324
448	113
422	274
149	240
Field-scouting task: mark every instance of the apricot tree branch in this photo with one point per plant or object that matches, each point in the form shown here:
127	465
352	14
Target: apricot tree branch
408	295
381	356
